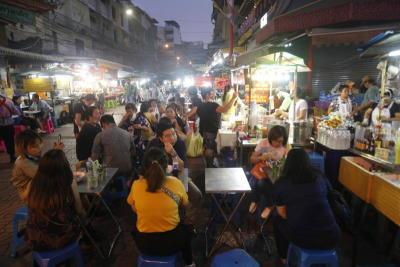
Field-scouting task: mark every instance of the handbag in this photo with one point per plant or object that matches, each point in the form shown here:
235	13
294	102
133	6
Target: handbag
339	207
194	145
189	227
259	170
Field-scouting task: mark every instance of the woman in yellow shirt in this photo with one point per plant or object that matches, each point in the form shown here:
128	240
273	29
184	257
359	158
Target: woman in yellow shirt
156	199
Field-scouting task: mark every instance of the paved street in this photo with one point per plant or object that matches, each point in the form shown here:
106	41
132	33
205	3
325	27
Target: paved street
9	200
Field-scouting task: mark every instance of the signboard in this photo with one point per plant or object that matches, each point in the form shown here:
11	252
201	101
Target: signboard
16	14
38	85
264	21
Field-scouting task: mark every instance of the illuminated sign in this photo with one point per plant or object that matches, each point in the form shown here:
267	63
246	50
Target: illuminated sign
264	21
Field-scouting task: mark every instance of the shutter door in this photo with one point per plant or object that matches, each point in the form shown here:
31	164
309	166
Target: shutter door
337	64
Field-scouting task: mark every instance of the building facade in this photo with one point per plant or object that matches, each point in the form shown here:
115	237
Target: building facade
326	34
102	30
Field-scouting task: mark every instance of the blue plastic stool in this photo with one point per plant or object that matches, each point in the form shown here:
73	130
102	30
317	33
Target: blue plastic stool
53	257
308	257
317	161
20	215
235	257
123	193
162	261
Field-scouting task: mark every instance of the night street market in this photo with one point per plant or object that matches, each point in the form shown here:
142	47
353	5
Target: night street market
221	133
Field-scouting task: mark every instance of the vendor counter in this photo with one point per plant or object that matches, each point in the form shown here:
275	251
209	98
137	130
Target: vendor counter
380	190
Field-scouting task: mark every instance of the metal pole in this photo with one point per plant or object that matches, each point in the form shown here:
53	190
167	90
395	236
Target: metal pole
295	93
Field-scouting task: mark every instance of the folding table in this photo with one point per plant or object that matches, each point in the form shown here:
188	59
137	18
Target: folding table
96	201
225	181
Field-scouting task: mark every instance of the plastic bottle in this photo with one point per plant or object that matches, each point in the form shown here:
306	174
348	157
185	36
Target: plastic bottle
397	148
175	167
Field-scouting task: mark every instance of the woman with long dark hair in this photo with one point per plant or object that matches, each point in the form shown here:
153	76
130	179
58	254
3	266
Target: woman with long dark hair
53	203
156	199
304	215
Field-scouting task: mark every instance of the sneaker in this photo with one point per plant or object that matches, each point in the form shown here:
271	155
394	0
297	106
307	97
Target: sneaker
253	207
265	213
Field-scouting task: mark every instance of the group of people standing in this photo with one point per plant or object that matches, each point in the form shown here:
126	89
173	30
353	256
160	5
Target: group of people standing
373	107
12	115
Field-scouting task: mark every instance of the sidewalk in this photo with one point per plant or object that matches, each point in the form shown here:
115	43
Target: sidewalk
9	200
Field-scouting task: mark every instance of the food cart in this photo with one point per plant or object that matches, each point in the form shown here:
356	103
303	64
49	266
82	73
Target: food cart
258	83
372	173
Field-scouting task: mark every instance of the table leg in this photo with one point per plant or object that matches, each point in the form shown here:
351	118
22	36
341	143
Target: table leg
93	205
228	221
241	153
396	244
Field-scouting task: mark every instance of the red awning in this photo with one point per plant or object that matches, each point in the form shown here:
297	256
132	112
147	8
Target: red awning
354	11
32	5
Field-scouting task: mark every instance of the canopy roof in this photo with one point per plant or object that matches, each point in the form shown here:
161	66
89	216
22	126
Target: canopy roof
283	60
383	47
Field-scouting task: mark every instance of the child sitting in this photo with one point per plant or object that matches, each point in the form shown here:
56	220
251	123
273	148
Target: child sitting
271	149
29	149
28	146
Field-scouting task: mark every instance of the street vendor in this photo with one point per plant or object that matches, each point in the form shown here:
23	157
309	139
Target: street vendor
297	112
342	104
386	111
226	97
371	96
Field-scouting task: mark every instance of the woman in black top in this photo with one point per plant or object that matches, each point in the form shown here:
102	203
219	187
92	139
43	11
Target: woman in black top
304	215
85	138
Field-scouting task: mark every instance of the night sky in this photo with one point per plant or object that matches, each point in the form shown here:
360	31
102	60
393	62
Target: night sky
194	16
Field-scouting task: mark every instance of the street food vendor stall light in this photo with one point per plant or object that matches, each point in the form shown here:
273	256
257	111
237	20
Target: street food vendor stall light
394	53
188	81
177	82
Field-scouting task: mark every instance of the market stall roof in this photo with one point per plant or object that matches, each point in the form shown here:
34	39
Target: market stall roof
5	51
283	60
385	45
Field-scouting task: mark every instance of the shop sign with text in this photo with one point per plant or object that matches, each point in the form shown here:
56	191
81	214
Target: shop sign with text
16	14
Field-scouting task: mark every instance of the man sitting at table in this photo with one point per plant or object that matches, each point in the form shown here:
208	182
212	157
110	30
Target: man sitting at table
42	106
114	146
175	149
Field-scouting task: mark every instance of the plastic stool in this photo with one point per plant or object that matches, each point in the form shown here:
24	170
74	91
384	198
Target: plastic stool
317	161
53	257
20	215
235	257
308	257
2	146
123	193
162	261
48	126
18	129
